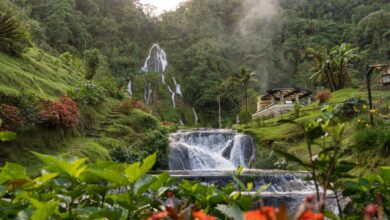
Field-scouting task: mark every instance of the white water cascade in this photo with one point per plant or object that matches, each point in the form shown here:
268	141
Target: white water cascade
129	89
173	96
156	60
210	157
177	87
148	93
196	118
209	149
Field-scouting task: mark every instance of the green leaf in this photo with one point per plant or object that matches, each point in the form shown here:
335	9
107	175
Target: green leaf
136	170
7	136
233	212
292	158
143	184
73	169
239	182
13	171
235	195
45	211
239	170
3	190
262	189
160	181
384	172
110	175
39	181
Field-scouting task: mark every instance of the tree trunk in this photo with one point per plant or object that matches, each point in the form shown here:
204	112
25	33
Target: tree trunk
219	112
246	97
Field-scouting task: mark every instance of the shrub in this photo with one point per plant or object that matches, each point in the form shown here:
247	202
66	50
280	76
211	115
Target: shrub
61	113
154	141
141	105
245	116
110	86
350	107
323	96
126	106
366	137
12	118
89	93
92	61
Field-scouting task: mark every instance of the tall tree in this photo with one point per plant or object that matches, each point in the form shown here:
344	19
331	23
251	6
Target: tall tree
243	78
333	67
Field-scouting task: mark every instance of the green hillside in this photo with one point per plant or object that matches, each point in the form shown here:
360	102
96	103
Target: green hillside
36	72
270	134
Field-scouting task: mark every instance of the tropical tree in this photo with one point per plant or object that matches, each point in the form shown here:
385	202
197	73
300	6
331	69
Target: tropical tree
12	36
333	67
243	79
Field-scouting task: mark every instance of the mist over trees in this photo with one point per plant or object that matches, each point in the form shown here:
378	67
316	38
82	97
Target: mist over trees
208	40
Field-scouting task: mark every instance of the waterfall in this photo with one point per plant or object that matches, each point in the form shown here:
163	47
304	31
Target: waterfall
173	96
156	60
210	150
148	93
129	89
210	156
181	122
163	78
177	87
195	116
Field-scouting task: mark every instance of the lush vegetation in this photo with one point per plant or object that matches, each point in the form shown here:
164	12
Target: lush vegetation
65	66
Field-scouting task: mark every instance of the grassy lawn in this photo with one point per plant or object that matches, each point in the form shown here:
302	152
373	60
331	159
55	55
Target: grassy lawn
271	134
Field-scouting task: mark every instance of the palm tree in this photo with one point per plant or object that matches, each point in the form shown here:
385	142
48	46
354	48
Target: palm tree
11	34
333	66
243	78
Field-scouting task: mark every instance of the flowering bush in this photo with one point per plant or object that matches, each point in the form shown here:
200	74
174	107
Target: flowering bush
12	118
323	96
61	113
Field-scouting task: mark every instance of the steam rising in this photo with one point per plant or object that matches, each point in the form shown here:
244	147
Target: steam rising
257	29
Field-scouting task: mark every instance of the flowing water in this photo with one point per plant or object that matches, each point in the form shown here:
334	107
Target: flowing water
210	156
210	150
173	96
129	89
196	118
156	61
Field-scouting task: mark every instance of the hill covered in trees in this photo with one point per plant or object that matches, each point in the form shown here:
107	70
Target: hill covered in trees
206	41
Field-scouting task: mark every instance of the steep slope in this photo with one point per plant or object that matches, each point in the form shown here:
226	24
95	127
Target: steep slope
36	72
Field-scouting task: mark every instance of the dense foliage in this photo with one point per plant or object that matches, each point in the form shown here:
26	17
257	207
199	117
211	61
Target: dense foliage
207	40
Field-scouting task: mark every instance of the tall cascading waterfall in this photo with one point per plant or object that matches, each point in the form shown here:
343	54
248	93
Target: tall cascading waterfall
210	156
156	61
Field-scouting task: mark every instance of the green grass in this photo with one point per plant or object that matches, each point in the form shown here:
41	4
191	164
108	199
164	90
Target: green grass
288	137
36	72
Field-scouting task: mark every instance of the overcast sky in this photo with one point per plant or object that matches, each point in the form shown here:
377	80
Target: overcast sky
162	5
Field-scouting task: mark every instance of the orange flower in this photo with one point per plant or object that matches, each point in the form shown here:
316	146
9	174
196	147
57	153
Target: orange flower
310	215
159	216
264	213
199	215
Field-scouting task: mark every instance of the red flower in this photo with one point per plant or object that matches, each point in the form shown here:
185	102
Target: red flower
264	213
310	215
199	215
370	210
158	216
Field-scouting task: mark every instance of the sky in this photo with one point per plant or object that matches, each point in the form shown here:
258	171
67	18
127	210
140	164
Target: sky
163	5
